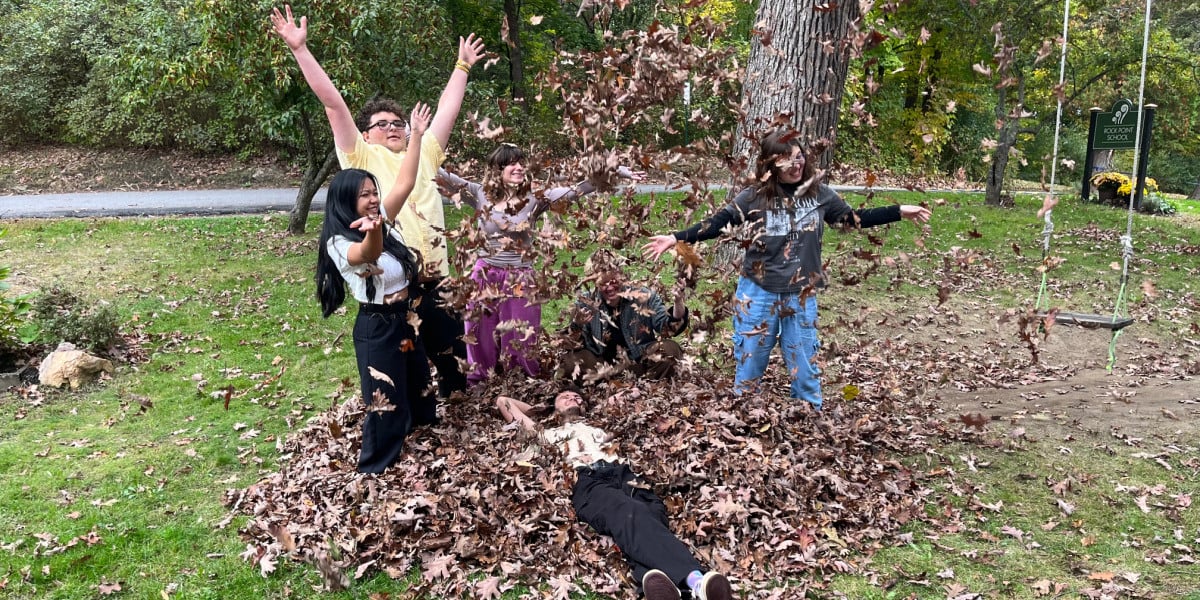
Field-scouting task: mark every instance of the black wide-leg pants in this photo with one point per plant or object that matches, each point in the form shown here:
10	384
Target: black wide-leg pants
442	331
385	341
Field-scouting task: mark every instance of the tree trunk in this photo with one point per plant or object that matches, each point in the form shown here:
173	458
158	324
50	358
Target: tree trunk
1006	138
797	69
314	177
1195	193
995	176
516	60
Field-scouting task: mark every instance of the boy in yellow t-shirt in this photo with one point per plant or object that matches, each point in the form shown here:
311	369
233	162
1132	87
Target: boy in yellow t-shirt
375	142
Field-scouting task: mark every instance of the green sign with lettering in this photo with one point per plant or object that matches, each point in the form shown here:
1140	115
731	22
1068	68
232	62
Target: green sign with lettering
1117	130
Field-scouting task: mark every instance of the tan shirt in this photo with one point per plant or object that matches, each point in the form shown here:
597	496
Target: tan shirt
581	443
422	220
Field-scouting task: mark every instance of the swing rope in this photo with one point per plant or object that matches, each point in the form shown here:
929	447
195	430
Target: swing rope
1049	227
1121	307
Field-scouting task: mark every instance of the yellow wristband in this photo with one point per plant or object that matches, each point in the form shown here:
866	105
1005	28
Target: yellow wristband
463	66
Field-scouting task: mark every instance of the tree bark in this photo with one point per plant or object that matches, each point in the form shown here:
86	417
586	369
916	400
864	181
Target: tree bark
1195	193
314	177
797	69
315	173
516	60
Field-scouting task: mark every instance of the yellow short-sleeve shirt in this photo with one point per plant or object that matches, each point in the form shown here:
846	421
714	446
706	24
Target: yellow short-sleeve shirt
423	219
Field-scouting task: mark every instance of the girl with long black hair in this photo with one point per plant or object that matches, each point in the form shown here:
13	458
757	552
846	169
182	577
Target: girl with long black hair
361	248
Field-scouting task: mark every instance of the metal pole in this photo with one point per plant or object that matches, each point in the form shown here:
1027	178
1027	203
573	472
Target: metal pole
1088	161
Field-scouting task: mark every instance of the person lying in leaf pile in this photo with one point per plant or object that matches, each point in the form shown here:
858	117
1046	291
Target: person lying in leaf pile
619	503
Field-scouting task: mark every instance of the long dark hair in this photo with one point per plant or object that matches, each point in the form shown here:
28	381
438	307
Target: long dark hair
341	209
493	182
777	146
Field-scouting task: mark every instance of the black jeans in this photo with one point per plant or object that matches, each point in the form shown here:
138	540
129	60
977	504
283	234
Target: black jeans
441	331
618	503
384	341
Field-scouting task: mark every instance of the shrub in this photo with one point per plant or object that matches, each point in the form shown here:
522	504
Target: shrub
64	317
1154	203
16	330
1110	178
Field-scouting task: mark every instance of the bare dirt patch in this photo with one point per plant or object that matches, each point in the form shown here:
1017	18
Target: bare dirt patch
982	373
53	170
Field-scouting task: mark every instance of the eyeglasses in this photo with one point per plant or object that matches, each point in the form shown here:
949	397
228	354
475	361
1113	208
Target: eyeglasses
398	124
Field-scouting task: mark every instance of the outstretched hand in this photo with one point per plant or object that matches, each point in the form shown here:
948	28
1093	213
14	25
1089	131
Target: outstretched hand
657	245
419	118
1048	204
366	224
470	49
628	173
295	36
916	214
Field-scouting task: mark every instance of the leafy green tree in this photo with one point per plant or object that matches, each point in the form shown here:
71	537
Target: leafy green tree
42	65
401	50
981	101
98	73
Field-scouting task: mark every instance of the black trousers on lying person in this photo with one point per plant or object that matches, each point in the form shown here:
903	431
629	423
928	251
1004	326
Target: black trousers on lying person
618	503
386	342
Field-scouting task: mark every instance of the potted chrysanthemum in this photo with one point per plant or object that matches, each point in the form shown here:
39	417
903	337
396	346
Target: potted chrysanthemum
1108	185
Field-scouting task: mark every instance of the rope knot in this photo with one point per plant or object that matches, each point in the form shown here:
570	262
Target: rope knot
1127	246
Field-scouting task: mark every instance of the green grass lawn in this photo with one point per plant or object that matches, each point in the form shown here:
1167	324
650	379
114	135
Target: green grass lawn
120	484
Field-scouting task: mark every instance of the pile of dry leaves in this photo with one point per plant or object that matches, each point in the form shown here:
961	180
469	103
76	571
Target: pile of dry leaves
763	488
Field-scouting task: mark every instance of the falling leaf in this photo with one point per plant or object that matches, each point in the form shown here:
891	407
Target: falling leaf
380	375
1148	289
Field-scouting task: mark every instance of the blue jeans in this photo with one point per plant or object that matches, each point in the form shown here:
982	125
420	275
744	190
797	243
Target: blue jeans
760	319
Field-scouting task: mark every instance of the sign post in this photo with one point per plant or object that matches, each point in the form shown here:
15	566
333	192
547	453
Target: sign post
1117	130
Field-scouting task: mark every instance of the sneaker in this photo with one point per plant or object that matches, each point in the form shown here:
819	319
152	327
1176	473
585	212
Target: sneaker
714	586
656	585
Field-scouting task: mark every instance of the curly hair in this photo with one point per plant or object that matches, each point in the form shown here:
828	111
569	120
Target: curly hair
375	106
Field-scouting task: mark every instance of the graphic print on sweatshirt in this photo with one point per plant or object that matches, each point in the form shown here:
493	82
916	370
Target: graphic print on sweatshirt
792	219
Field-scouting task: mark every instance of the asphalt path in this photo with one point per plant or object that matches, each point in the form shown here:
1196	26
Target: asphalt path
197	202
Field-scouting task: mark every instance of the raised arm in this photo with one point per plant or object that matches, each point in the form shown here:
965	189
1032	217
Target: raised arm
345	132
583	188
515	410
406	179
734	213
707	229
469	51
370	249
454	180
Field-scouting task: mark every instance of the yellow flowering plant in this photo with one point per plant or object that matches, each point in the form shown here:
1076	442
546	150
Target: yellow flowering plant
1110	178
1126	188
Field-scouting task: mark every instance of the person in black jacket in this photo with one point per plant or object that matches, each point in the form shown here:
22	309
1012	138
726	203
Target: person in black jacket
781	219
622	323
